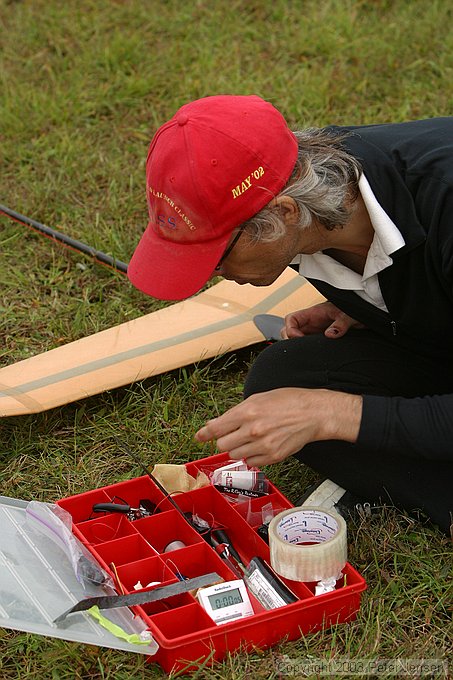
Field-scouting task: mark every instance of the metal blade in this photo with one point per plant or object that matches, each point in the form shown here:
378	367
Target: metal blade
113	601
269	325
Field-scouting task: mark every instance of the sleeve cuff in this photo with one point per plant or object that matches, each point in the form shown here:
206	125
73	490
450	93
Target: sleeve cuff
373	427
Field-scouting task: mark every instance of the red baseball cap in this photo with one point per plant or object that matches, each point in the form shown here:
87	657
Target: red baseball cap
214	165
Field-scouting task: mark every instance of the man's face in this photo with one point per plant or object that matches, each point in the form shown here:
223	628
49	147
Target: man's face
261	263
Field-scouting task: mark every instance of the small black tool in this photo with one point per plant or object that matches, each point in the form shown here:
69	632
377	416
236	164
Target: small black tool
222	537
145	509
223	551
123	508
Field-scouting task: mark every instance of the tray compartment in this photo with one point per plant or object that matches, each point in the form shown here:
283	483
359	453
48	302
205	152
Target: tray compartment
211	463
208	465
106	528
124	550
183	621
170	603
133	490
164	528
80	507
146	571
252	510
209	505
197	560
347	582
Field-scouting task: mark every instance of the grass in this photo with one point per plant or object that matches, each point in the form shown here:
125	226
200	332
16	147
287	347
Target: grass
83	85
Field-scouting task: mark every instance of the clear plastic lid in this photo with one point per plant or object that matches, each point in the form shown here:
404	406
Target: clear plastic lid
38	583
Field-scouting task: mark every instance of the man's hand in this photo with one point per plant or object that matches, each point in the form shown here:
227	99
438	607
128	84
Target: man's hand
322	318
270	426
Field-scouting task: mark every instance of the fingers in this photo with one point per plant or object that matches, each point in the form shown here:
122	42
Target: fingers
284	333
340	326
240	435
324	317
264	429
204	433
221	428
334	332
229	435
311	320
293	325
294	333
267	427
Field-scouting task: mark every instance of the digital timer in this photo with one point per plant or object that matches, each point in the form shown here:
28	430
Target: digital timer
226	599
225	602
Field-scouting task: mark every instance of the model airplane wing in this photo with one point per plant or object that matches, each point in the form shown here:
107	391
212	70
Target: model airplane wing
213	322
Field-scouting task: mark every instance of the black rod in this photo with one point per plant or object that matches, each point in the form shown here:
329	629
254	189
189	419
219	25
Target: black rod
67	241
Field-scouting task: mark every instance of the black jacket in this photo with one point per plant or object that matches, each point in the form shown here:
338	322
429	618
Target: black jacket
410	169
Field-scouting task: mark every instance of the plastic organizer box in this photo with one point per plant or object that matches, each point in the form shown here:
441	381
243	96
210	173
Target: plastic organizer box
184	631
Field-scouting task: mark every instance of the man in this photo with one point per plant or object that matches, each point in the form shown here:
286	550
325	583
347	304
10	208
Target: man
361	389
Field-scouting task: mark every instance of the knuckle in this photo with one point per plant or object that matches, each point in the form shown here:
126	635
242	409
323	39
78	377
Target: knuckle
257	431
251	406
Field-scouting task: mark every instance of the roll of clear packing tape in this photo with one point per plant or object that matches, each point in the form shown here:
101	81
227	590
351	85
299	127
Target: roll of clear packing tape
308	544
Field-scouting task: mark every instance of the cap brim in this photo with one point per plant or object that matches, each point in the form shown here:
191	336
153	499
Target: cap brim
168	270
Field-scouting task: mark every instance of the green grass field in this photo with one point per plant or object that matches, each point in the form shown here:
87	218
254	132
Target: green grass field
83	86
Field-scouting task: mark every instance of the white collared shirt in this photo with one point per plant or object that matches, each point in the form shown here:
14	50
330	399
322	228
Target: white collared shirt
387	239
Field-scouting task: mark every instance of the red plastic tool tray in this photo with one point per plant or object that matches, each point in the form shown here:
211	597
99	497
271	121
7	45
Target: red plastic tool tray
184	631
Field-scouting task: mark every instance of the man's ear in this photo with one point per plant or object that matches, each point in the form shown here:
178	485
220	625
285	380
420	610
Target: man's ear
288	208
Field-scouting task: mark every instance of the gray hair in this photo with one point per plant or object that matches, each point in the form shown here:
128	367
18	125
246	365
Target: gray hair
324	184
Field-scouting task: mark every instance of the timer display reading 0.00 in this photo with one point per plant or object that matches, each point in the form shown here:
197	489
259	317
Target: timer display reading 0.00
228	599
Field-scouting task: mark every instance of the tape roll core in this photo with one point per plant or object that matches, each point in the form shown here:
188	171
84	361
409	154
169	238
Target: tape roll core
308	544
